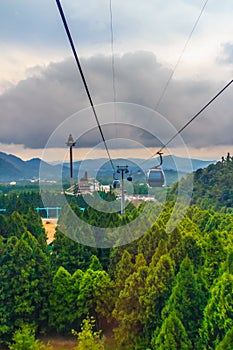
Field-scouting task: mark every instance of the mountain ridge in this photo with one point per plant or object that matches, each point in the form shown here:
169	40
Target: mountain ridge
13	168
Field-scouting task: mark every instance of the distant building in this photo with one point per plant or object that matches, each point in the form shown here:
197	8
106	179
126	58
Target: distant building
83	185
86	185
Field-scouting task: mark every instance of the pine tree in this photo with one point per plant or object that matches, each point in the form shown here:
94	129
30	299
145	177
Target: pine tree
150	240
187	300
227	342
160	251
25	279
61	311
70	254
214	254
218	314
158	288
16	225
34	224
96	295
123	270
128	310
3	226
95	264
172	335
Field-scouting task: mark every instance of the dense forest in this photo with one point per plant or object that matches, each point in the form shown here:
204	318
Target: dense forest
163	291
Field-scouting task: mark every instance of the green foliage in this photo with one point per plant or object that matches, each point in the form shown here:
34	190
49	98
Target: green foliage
165	290
16	225
172	335
227	342
61	315
150	240
34	224
158	287
3	226
123	270
25	284
24	339
213	186
70	254
128	310
88	338
187	300
214	253
95	264
218	314
95	295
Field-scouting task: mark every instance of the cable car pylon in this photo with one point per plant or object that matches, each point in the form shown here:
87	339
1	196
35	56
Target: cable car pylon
122	170
71	143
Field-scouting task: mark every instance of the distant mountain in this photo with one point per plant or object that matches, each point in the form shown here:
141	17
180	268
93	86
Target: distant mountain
169	163
8	171
13	168
174	163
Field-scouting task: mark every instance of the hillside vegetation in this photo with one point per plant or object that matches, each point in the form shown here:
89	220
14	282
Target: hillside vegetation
163	291
212	186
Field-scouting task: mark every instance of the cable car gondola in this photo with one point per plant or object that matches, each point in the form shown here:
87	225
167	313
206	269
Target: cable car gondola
156	177
116	184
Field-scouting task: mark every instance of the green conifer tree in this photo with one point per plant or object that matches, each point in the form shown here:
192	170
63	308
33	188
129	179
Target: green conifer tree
25	280
61	311
16	225
128	310
214	254
172	335
218	319
188	300
157	290
123	270
227	342
95	264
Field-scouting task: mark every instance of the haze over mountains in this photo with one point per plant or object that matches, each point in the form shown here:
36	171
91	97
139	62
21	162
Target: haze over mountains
13	168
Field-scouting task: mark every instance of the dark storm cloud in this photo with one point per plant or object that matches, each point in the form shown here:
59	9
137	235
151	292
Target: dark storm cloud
32	110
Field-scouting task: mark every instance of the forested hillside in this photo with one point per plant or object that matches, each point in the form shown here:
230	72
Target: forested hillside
163	291
213	186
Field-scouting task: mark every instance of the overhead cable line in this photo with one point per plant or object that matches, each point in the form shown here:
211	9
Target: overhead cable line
159	152
83	77
194	117
112	50
113	67
180	57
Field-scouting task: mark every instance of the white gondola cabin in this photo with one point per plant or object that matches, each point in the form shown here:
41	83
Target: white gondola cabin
156	177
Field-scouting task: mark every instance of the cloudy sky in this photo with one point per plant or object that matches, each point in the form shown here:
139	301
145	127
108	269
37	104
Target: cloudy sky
40	87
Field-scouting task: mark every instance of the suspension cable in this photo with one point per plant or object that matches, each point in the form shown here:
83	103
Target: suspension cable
180	57
113	66
112	52
159	152
83	77
194	117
